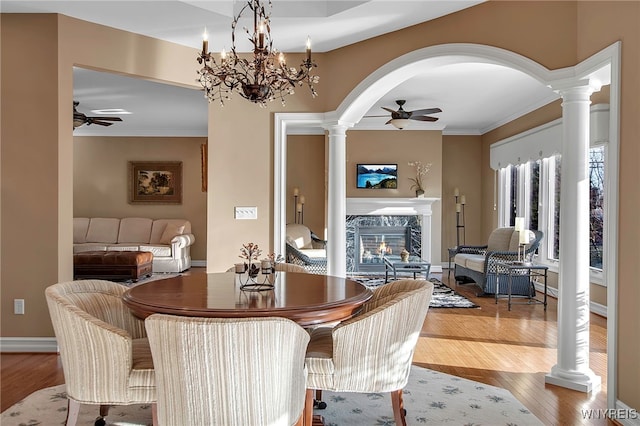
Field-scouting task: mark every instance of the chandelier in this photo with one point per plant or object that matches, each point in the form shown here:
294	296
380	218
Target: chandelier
263	78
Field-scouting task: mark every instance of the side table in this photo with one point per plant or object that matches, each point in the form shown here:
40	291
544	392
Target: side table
510	270
452	253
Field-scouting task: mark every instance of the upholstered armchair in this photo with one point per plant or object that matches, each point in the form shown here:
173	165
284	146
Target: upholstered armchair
306	249
371	352
480	263
228	371
104	350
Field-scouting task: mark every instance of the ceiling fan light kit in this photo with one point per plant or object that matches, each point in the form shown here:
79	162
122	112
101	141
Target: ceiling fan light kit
263	78
399	123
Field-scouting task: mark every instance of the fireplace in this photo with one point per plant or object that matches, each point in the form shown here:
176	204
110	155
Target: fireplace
399	223
372	243
370	238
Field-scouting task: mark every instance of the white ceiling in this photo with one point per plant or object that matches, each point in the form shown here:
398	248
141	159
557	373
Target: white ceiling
474	98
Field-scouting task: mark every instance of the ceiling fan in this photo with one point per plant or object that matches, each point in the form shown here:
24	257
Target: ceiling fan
79	118
400	118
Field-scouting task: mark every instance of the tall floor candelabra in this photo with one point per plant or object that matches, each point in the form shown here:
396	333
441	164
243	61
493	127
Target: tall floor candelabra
460	228
298	206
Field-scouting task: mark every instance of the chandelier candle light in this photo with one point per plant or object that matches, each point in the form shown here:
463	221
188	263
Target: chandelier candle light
263	78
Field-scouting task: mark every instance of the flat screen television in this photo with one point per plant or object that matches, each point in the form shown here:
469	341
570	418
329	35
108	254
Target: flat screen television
377	176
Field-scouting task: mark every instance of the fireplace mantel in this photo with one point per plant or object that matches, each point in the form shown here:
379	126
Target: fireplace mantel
399	207
390	206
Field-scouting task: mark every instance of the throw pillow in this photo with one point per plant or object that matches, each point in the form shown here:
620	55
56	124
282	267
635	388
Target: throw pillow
171	231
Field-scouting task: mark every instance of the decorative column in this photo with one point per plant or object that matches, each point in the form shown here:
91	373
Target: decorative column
572	369
336	221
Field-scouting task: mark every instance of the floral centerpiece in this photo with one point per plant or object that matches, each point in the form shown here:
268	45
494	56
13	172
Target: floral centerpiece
421	173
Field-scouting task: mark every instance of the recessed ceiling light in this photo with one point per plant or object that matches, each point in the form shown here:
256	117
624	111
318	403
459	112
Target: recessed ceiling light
109	111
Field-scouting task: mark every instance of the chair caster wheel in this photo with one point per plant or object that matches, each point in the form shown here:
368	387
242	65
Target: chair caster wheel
320	405
100	421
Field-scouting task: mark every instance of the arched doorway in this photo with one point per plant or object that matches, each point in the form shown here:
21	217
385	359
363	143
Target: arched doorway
602	68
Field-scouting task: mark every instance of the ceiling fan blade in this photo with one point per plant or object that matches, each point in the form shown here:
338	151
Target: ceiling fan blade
388	122
423	118
425	111
388	109
372	116
101	123
106	118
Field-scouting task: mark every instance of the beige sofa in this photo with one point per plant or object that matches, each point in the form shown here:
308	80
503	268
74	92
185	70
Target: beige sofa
168	239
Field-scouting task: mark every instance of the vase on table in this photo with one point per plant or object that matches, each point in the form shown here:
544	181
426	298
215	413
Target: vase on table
420	193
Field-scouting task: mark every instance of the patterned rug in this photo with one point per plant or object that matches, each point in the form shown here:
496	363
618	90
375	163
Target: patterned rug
443	296
430	398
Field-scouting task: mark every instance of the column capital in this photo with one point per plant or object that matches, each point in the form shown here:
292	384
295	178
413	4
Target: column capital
572	88
337	128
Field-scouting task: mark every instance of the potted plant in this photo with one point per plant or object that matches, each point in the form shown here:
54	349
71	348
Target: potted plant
421	173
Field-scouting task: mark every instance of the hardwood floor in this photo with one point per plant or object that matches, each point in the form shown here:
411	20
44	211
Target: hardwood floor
513	350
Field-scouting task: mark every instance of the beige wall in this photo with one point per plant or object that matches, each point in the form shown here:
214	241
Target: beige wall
399	147
306	171
461	169
100	180
243	153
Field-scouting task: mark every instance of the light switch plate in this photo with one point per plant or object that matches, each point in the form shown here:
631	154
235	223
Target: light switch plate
246	213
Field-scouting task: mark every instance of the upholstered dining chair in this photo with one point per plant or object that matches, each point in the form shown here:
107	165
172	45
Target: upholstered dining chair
371	352
104	350
228	371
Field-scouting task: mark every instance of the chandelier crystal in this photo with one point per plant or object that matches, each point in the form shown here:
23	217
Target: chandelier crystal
264	78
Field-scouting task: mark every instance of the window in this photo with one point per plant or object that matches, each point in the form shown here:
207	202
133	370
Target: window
532	191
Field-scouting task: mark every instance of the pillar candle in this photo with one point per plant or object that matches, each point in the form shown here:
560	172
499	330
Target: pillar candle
524	236
463	200
296	191
239	268
299	207
302	199
456	192
519	226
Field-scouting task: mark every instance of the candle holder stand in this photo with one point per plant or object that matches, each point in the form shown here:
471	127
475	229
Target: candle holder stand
257	279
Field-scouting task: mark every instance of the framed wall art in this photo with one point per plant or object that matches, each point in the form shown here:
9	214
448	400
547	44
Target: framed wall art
155	182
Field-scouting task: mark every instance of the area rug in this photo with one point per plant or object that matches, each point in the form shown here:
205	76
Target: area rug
443	296
430	398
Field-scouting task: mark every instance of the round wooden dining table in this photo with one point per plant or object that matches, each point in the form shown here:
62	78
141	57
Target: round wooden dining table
308	299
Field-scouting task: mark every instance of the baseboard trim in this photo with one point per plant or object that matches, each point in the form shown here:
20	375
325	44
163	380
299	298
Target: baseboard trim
199	263
28	344
594	307
625	415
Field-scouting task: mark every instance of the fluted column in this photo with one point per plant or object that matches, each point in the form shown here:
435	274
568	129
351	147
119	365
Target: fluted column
572	369
336	218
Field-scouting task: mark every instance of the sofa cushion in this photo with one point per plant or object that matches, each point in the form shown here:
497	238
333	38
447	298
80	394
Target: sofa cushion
159	225
475	262
315	253
103	230
499	239
123	247
80	248
157	250
135	230
170	231
80	227
300	235
463	259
